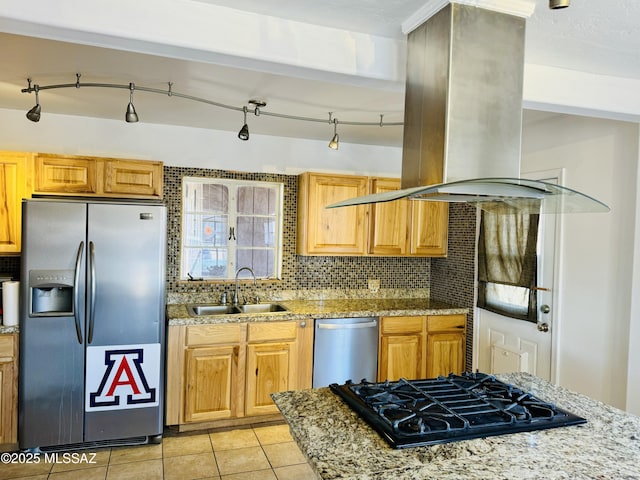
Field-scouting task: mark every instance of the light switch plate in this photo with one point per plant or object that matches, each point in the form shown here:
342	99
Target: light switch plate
374	285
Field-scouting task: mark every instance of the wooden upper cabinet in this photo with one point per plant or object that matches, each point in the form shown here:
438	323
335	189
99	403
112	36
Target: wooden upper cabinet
13	188
68	175
407	227
429	228
96	176
338	231
389	228
132	177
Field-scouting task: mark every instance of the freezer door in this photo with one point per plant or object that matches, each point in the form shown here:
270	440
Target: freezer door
125	320
51	367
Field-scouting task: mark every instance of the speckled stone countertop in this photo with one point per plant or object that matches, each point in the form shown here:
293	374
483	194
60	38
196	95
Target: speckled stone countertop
335	308
6	329
339	445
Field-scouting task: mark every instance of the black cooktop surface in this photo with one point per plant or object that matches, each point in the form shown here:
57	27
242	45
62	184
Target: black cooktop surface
410	413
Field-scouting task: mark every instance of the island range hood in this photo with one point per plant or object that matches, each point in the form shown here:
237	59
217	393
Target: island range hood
463	117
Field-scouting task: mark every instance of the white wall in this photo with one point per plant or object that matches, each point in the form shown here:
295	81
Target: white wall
191	147
600	158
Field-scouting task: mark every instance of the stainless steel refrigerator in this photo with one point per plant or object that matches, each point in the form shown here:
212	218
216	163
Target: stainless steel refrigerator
91	323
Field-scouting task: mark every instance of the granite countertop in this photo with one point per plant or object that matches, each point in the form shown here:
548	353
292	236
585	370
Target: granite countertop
334	308
6	329
339	445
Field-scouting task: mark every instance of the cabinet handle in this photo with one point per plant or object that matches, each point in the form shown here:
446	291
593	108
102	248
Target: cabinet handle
303	324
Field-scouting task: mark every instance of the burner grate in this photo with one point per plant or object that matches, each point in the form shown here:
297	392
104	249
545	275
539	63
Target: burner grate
443	409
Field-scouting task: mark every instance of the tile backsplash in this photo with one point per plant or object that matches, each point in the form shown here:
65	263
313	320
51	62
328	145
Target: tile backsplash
309	273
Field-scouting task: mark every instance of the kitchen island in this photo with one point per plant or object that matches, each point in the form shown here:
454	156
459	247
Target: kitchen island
340	445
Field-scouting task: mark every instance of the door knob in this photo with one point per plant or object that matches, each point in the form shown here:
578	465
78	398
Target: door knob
543	327
545	308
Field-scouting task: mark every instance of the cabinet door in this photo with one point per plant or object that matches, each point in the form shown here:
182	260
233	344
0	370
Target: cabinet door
388	230
445	353
270	368
212	381
8	409
401	352
8	392
400	357
133	178
68	175
337	231
429	227
13	188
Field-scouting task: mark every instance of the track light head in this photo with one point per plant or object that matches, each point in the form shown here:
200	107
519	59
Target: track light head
243	134
131	116
34	113
557	4
334	143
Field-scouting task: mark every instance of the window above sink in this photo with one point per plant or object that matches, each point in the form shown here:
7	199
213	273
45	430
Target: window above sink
228	223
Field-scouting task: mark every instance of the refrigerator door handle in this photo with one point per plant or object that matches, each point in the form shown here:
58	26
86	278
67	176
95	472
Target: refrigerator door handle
76	292
92	292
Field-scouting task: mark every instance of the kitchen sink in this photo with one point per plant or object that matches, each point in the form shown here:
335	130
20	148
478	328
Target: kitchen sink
210	309
261	308
196	310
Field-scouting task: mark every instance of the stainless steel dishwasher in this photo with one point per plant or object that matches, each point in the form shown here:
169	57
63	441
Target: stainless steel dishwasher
345	349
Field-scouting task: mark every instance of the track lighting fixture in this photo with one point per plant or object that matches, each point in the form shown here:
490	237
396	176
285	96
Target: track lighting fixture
34	113
243	134
557	4
336	139
131	116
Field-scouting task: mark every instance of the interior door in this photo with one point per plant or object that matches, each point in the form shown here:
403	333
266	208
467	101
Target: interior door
506	344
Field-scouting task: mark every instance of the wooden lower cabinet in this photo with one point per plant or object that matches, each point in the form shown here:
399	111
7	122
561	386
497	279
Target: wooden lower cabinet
228	371
8	392
211	383
445	344
421	346
269	369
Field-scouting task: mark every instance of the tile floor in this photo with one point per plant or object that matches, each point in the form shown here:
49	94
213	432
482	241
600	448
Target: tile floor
259	452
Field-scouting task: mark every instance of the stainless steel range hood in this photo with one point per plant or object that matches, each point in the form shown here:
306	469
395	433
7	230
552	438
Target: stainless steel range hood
463	117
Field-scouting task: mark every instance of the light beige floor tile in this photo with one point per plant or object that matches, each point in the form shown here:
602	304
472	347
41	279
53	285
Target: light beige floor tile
96	473
241	460
19	470
296	472
135	454
231	439
189	467
81	459
186	445
43	476
147	470
255	475
282	454
273	434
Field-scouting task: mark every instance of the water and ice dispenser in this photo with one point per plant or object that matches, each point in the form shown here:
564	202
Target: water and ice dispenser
51	293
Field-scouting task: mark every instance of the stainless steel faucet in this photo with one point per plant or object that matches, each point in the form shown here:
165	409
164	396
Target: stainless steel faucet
235	295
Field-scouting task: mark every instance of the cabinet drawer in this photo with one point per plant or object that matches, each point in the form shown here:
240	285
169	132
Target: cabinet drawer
268	331
214	334
401	325
7	347
446	322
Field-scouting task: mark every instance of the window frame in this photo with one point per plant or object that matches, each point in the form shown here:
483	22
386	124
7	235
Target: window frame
233	185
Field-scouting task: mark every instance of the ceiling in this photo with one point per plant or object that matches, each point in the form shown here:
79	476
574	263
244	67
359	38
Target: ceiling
589	36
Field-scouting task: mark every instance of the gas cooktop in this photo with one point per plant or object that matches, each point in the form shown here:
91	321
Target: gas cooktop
411	413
